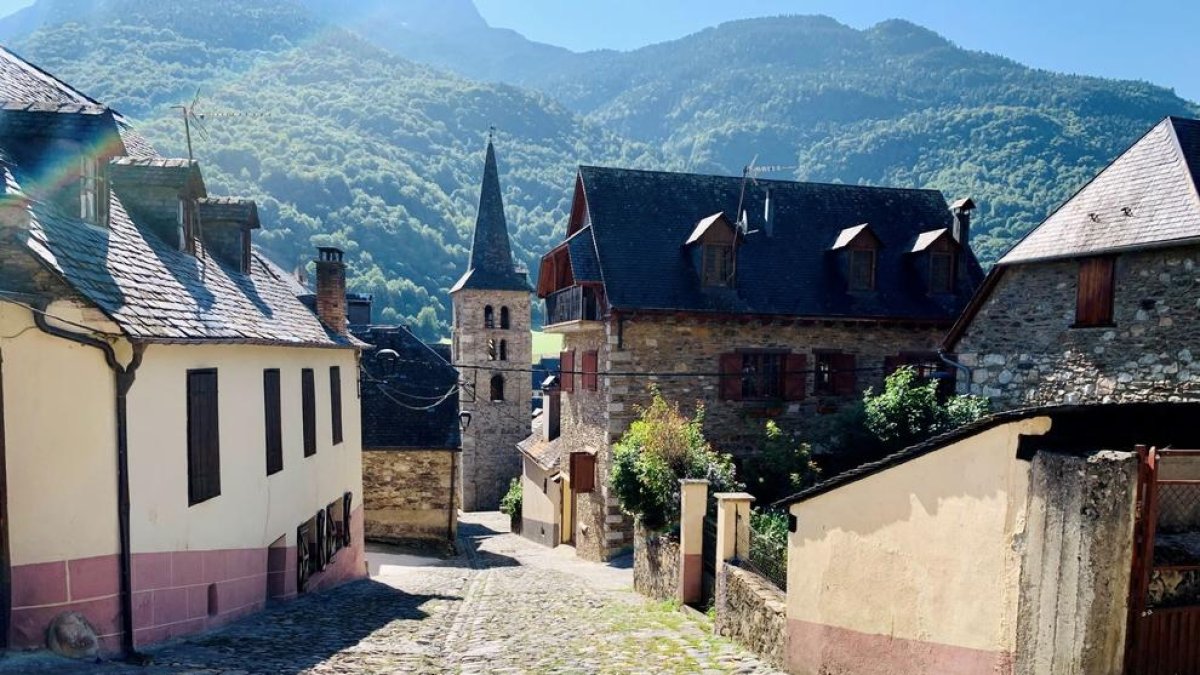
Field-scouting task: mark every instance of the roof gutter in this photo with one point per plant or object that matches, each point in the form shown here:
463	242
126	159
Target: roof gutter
124	376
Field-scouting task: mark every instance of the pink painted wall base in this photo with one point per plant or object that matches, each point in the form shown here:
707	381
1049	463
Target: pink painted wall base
818	648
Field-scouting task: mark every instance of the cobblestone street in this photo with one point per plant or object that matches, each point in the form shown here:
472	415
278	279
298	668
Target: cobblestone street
504	605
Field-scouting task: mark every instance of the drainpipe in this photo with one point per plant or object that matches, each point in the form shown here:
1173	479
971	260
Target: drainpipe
124	376
956	365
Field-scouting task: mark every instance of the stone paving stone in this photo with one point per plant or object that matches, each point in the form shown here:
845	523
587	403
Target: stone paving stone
506	605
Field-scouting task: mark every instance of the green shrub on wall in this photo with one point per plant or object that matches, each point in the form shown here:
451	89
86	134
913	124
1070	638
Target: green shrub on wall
909	410
660	448
510	503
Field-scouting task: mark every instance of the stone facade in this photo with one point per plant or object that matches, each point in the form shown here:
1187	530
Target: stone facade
656	565
593	420
410	495
1022	349
752	612
490	458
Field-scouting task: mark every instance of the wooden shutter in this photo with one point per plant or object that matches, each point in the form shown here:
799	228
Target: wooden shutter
844	376
1094	299
335	403
308	396
731	376
273	417
590	363
567	371
795	377
204	457
583	472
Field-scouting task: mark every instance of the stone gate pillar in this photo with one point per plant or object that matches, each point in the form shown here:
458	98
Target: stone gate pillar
733	527
693	504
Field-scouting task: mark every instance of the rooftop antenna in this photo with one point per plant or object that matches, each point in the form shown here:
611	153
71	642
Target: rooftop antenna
188	112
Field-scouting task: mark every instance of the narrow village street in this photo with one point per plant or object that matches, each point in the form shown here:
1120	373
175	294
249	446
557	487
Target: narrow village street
503	605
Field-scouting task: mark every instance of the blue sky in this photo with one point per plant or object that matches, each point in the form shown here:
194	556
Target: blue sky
1154	41
1112	38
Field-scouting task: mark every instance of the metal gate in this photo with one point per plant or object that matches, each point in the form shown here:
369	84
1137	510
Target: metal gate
708	555
1164	603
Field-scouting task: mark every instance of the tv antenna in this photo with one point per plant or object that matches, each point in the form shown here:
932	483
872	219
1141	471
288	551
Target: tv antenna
191	117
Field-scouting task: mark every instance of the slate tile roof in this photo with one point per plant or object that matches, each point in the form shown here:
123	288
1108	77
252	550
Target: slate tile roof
641	220
1146	197
230	208
581	249
546	454
390	415
491	265
157	172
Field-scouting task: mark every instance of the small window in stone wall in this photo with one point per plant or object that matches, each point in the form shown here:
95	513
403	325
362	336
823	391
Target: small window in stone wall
504	322
489	317
590	366
504	350
497	388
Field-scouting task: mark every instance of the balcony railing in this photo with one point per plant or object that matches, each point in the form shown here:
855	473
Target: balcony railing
577	303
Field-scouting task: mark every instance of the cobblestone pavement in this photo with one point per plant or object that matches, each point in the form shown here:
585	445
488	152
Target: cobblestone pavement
505	605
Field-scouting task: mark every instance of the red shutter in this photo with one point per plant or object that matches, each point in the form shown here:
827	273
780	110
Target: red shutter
567	371
583	472
845	378
795	377
731	377
590	362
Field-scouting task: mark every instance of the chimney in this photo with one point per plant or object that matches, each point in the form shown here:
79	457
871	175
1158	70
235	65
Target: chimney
552	411
768	216
962	221
331	288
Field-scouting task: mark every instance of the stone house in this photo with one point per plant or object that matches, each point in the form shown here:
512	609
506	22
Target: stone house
815	296
179	435
1099	302
411	438
1017	544
492	347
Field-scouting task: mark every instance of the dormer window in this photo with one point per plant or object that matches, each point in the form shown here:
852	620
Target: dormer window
718	265
93	192
940	252
862	269
941	272
859	245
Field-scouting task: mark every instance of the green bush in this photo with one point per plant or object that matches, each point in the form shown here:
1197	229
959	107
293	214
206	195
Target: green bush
660	448
780	467
510	503
909	410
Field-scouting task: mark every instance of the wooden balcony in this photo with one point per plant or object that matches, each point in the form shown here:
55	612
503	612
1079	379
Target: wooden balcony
574	309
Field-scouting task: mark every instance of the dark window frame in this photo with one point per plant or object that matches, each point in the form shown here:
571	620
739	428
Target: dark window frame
335	405
489	317
936	283
496	386
504	319
716	265
308	410
763	375
273	419
203	463
854	282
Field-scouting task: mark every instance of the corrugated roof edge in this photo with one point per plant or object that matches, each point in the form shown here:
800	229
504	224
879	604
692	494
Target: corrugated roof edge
944	440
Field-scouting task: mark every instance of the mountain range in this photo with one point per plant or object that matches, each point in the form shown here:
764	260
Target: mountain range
363	126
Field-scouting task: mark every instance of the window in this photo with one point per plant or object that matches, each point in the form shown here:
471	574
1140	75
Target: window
308	401
583	472
491	349
941	272
1094	297
862	269
273	414
504	318
93	192
763	376
504	350
566	370
203	430
717	265
834	374
489	317
335	403
497	388
590	364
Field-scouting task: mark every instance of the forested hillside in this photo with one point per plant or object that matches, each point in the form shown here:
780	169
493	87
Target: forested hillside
343	141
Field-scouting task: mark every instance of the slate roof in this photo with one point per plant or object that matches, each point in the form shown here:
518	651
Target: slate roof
491	264
581	249
231	208
641	220
421	377
1146	197
546	454
927	239
1075	428
157	172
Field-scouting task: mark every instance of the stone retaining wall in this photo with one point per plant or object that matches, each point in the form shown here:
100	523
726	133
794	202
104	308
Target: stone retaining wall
407	495
752	612
655	564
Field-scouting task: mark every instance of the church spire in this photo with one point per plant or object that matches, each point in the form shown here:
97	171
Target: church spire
491	265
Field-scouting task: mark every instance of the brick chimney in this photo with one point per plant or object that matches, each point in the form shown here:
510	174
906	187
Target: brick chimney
331	288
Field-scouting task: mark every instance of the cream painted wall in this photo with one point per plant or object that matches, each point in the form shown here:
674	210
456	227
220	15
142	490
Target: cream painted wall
900	540
60	429
537	503
253	509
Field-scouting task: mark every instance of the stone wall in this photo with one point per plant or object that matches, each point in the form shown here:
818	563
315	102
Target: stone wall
490	459
752	612
655	564
407	495
1023	351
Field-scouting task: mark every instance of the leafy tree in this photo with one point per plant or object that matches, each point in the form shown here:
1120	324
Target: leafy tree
780	467
660	448
910	410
